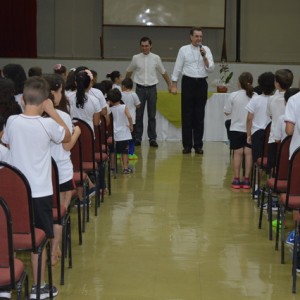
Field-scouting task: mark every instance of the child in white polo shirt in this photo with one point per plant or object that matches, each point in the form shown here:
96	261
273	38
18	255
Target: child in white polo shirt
235	106
23	133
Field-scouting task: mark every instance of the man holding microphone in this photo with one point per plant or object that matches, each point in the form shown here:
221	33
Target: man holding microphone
194	62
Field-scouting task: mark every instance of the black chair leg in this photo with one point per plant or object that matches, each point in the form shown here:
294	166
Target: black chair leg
262	202
295	258
282	215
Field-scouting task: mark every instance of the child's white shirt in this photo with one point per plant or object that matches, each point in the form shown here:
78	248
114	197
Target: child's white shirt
258	107
292	114
121	124
62	156
235	105
275	109
131	100
29	140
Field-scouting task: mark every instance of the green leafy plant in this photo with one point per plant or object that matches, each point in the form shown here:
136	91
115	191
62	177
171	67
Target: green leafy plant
225	74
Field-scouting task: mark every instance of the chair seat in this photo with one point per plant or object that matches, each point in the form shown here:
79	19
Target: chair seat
87	166
22	241
262	161
294	201
281	185
5	273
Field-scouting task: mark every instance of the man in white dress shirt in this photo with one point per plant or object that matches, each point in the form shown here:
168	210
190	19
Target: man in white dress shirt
194	62
145	66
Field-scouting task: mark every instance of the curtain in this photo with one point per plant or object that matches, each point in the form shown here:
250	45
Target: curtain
18	36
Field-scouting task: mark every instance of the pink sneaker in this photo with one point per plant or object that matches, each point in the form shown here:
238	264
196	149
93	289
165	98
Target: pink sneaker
236	184
246	184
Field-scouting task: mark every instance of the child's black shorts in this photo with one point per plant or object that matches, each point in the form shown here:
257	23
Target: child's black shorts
42	208
257	142
238	140
122	147
67	186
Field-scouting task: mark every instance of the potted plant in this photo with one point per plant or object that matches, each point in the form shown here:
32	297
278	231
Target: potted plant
225	77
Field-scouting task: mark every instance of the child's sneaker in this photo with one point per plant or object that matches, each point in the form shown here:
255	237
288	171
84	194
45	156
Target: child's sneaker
44	292
274	205
132	156
256	193
127	171
246	183
274	223
5	295
236	184
291	238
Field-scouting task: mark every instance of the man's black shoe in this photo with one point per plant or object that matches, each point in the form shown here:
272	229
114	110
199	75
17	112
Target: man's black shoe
153	144
186	150
199	151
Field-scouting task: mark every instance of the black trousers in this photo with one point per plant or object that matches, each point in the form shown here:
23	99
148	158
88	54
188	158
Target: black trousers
193	101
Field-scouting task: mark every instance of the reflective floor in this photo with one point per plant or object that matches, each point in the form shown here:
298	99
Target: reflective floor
174	230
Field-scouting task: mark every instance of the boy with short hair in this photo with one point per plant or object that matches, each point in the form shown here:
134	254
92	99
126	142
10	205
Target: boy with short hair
28	136
132	101
122	126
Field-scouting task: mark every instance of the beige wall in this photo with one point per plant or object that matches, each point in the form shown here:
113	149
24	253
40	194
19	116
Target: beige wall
72	28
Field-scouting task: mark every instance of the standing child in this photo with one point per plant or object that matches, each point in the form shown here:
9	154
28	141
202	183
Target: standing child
116	79
279	133
85	106
276	108
22	133
235	106
132	101
257	118
61	154
61	70
122	126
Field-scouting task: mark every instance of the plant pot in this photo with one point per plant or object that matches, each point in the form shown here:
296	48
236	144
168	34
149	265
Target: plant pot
222	89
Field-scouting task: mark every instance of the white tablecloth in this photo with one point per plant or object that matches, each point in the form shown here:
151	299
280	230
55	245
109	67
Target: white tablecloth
214	128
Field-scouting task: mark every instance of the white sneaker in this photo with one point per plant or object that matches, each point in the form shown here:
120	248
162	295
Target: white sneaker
5	294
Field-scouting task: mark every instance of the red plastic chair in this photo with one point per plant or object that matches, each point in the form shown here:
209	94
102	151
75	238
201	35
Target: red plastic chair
101	146
291	199
16	190
90	159
261	163
278	183
80	181
12	270
62	217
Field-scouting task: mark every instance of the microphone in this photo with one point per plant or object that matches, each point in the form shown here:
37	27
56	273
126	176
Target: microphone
202	53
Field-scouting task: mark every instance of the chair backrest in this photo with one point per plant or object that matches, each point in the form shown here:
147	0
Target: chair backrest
282	164
56	192
103	132
76	158
15	189
6	241
87	141
265	145
293	188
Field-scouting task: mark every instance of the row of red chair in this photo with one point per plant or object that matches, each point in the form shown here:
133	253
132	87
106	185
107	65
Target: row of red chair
18	211
284	183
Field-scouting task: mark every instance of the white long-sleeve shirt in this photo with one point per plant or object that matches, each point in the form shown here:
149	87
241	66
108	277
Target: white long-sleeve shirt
145	68
189	62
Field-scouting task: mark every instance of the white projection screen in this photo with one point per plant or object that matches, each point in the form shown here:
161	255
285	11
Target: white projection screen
205	13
